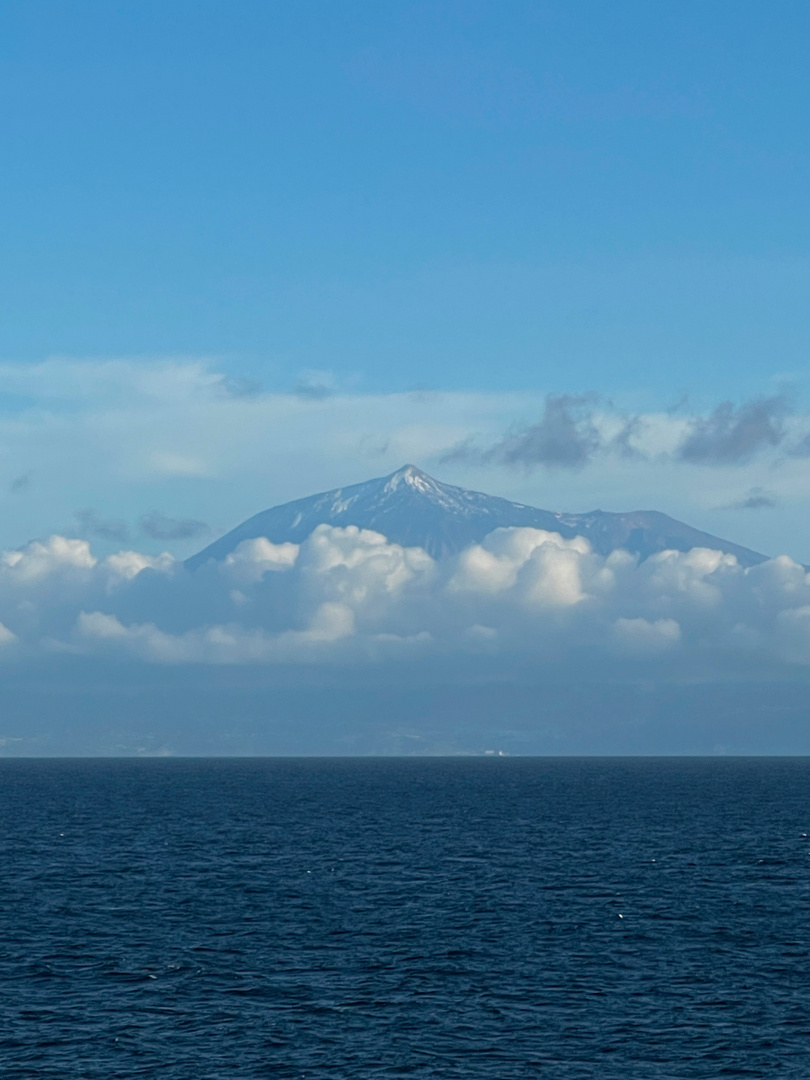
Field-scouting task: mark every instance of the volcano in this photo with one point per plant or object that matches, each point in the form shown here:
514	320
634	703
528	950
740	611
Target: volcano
412	509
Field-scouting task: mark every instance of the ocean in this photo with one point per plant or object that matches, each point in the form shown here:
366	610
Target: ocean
190	919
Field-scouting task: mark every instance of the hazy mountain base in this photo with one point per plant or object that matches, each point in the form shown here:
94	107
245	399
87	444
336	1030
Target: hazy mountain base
203	712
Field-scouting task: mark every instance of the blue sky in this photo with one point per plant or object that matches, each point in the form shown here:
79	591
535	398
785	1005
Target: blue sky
252	250
554	196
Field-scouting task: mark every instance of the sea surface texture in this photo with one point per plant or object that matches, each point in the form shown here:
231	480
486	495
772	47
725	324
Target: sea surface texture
344	918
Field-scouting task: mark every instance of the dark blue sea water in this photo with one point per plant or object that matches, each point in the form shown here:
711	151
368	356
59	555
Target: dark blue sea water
499	918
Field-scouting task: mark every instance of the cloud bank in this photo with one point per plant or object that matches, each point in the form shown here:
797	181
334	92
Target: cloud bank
349	597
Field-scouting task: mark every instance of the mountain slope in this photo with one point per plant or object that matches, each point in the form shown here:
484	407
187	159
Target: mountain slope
413	509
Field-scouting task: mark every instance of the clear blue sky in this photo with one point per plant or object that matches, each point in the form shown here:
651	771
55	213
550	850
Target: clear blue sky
553	196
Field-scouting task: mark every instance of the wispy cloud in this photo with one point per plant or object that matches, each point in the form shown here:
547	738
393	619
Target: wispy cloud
21	483
755	499
315	385
800	449
97	528
241	386
159	526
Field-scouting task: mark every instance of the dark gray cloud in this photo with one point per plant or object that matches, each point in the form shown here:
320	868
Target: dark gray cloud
755	499
733	434
564	437
567	435
160	527
95	527
20	483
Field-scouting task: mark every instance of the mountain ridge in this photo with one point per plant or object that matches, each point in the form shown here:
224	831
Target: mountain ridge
415	510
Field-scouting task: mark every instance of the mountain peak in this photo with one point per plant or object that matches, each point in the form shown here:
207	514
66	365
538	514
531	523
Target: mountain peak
412	477
411	508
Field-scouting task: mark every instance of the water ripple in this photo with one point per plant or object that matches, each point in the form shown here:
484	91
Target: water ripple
628	919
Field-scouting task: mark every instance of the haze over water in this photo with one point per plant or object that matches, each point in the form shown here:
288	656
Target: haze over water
343	918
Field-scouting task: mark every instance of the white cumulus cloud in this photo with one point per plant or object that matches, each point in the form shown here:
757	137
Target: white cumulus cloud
348	596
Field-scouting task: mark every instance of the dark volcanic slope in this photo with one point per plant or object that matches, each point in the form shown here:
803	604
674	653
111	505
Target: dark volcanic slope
413	509
646	531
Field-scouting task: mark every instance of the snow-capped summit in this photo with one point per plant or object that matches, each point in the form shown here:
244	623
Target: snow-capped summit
411	508
413	477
